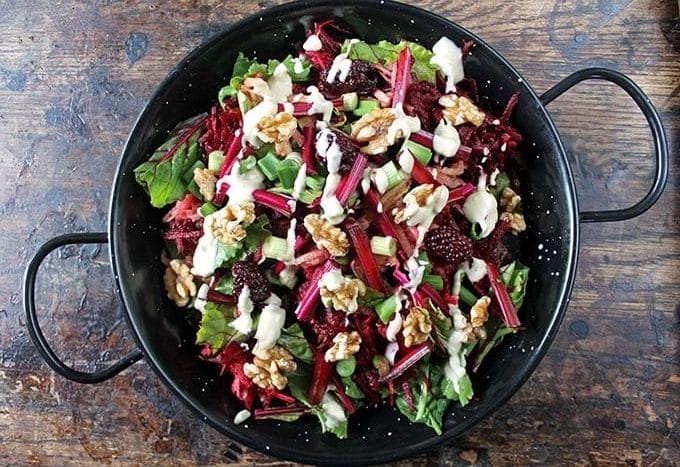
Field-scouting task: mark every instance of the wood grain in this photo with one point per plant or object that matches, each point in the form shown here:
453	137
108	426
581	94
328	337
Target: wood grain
73	77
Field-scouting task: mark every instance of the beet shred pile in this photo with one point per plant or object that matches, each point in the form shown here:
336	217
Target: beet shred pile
336	229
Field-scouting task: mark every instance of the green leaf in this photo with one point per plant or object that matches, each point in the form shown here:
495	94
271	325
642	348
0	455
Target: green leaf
371	298
225	285
387	53
293	340
215	330
515	277
340	430
502	182
501	331
257	232
443	325
351	388
303	70
244	67
229	254
164	178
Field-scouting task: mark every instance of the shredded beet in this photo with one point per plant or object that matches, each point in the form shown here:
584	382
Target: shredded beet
221	125
421	102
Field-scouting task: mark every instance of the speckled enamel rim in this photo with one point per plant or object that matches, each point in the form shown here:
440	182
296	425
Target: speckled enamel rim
285	451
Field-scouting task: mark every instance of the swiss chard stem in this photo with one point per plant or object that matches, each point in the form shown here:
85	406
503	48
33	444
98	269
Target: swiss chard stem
276	411
387	226
461	192
500	292
232	152
407	362
183	139
403	77
362	247
218	297
350	183
308	150
311	298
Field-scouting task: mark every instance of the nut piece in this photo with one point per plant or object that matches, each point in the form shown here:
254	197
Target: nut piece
509	199
479	312
421	203
254	89
460	109
417	326
206	180
394	195
278	130
372	129
268	366
179	282
516	220
345	344
326	235
462	326
339	292
228	224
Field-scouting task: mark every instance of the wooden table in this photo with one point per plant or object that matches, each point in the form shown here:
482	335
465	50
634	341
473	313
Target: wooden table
74	76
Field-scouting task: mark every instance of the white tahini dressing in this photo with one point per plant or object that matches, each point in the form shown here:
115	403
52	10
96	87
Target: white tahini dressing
333	411
391	351
449	58
455	366
206	251
334	280
415	271
241	185
299	184
481	208
327	148
201	296
272	319
475	270
422	216
244	305
276	90
446	141
394	326
320	105
241	417
298	66
402	126
406	161
312	44
341	65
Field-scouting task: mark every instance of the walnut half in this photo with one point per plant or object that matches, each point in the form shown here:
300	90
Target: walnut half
372	129
417	326
205	180
340	292
278	130
326	235
345	344
460	109
479	312
268	367
179	282
228	224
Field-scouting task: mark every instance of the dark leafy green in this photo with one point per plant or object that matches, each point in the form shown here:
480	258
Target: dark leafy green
371	298
164	176
244	67
215	330
515	277
386	52
293	340
502	182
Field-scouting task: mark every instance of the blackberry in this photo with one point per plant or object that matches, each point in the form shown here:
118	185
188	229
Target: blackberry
361	78
448	244
349	151
246	273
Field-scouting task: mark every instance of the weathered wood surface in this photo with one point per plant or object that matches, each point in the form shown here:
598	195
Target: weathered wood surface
73	77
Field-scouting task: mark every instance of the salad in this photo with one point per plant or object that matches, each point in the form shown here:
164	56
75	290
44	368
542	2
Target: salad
336	229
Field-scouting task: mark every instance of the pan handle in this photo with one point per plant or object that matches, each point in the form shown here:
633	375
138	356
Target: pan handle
658	135
32	319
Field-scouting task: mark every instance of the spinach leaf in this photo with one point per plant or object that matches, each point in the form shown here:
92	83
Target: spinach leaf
256	233
293	340
502	182
501	331
515	277
387	53
215	330
351	388
163	175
